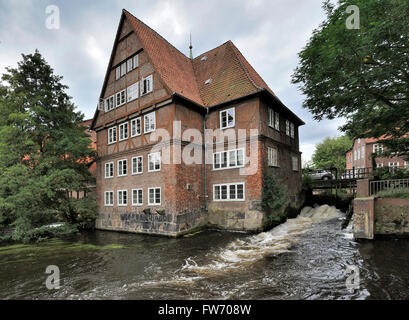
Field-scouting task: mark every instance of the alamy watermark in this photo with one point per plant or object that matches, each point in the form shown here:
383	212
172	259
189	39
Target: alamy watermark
353	281
52	21
53	280
352	22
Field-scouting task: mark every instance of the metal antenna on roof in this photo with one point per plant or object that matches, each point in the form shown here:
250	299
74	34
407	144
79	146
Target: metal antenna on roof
190	47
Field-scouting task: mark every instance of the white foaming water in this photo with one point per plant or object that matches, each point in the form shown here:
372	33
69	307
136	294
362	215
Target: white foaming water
243	252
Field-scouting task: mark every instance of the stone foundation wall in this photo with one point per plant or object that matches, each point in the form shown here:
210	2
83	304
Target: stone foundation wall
166	225
392	216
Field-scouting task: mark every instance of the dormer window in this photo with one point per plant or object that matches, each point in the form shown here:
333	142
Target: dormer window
146	85
204	58
208	81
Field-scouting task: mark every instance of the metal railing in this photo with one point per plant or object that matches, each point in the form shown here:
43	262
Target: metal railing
382	185
356	173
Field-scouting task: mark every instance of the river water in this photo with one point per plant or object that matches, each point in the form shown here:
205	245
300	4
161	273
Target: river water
304	258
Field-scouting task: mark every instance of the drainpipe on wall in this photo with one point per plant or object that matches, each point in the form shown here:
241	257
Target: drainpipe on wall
205	153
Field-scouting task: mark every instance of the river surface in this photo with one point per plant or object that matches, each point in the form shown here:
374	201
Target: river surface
304	258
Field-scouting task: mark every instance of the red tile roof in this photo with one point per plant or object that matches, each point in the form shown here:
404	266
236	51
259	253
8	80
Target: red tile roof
230	73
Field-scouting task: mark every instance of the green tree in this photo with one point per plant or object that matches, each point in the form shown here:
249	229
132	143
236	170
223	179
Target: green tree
331	153
360	74
43	150
274	197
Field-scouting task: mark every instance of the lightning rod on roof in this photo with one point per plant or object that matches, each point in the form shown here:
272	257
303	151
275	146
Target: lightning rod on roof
190	47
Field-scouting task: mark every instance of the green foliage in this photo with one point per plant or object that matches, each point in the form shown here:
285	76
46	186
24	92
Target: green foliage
394	193
387	173
43	152
306	182
274	196
360	74
331	153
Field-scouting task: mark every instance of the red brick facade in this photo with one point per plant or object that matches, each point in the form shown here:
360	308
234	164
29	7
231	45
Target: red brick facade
180	93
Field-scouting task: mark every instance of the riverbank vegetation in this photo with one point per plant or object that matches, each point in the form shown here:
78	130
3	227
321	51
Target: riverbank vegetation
44	155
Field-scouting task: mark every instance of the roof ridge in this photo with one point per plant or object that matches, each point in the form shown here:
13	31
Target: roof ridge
157	33
246	71
206	52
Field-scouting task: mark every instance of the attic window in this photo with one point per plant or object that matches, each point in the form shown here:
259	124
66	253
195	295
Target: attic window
208	81
204	58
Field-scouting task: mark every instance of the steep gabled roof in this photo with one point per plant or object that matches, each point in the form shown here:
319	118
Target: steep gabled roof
174	68
231	75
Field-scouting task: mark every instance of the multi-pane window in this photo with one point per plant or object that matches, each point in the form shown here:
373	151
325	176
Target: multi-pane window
393	164
272	157
122	197
136	127
292	130
146	85
120	98
109	170
295	163
133	91
406	164
135	61
154	161
123	69
363	152
137	197
109	198
377	148
129	63
123	131
122	168
228	159
112	135
379	165
117	73
149	122
287	127
154	196
137	165
227	118
228	192
110	103
273	119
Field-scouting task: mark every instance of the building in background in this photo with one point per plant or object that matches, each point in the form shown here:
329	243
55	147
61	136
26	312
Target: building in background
150	85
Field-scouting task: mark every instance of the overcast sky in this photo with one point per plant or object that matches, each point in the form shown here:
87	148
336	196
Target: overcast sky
269	33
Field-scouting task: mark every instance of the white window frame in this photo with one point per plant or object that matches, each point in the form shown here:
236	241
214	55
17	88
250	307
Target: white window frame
276	121
137	203
123	69
121	101
377	148
129	65
272	156
287	127
151	117
120	165
134	127
157	157
271	117
292	130
227	185
114	135
146	82
362	152
110	103
135	168
294	163
393	164
123	128
117	72
220	154
132	92
226	112
379	165
110	166
106	197
135	61
160	196
124	203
